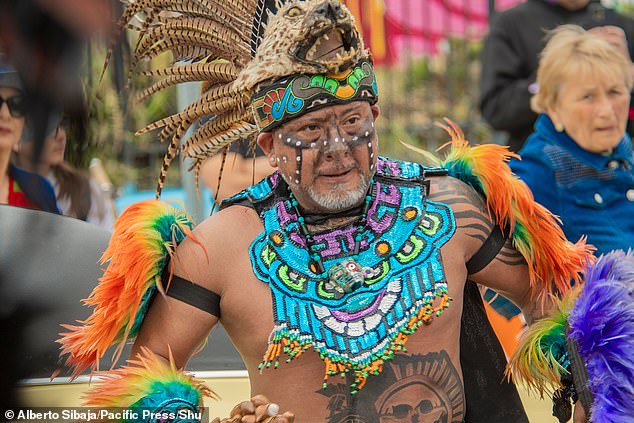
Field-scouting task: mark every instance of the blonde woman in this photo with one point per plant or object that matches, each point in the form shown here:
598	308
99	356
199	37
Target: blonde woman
579	161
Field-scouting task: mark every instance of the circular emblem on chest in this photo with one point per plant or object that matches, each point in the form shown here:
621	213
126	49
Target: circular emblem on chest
382	248
277	238
409	213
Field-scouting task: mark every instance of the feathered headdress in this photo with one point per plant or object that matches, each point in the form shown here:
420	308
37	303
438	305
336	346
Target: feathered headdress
232	46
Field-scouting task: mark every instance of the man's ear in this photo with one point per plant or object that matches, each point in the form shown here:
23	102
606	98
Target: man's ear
265	141
376	111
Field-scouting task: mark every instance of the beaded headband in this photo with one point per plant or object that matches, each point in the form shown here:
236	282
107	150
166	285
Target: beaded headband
292	96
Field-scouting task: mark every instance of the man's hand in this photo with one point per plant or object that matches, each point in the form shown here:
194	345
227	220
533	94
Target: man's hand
259	409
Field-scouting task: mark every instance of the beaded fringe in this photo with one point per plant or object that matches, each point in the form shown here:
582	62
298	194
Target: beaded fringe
294	345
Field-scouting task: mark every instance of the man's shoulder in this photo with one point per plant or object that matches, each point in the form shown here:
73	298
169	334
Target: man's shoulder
257	193
444	187
230	219
404	170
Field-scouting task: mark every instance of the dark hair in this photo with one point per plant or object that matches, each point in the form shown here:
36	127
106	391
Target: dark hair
75	186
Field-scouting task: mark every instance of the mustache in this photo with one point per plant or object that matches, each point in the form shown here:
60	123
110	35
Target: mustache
337	170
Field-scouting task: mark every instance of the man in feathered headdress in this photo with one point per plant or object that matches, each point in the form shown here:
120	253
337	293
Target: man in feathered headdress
355	262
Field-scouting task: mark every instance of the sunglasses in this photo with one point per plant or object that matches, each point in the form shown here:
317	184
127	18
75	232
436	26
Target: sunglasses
16	105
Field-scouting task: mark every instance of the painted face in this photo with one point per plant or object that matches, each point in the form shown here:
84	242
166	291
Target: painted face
593	111
328	156
10	127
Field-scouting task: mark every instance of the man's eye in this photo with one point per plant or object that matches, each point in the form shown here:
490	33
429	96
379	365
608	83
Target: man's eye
310	128
353	120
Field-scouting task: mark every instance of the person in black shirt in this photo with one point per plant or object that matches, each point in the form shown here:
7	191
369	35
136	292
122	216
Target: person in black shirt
511	54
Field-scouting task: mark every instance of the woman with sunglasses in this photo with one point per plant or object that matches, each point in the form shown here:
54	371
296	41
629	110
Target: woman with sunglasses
17	186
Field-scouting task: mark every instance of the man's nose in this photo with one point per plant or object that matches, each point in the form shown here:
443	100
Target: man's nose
335	146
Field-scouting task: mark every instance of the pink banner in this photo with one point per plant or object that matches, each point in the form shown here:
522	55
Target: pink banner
416	27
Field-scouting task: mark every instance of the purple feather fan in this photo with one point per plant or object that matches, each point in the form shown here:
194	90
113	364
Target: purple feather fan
602	324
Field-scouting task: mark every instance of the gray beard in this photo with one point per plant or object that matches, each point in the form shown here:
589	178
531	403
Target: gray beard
336	201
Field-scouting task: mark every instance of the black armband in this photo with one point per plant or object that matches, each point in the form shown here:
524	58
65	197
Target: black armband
192	294
487	252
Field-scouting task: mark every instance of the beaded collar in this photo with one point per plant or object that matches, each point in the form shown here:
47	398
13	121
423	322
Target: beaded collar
355	325
348	275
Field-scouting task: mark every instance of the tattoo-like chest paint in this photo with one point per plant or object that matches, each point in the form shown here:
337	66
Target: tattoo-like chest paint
359	331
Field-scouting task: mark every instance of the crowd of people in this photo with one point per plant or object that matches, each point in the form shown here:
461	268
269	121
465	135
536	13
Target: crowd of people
347	280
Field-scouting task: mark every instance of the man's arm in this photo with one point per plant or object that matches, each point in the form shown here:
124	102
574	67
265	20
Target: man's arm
507	272
172	325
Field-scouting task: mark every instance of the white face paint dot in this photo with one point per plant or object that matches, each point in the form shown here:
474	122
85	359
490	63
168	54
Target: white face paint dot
312	145
297	171
279	136
336	139
371	155
367	133
355	138
373	124
288	139
369	144
298	143
325	142
278	159
284	159
298	158
297	181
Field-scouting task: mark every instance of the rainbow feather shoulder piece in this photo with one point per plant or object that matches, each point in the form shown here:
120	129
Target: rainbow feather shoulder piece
144	237
600	319
149	384
542	357
553	261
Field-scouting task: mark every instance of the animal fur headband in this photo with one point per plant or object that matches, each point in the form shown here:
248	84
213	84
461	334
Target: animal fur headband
233	46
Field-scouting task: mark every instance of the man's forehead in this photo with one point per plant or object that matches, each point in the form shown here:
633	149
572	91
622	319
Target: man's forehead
327	111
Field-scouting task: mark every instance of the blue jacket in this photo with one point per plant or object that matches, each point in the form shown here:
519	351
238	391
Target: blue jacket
36	188
592	193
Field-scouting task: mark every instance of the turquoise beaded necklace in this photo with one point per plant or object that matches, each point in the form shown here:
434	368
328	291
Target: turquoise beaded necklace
347	275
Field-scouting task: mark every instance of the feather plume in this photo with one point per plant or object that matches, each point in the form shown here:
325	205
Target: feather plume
223	72
218	124
553	261
239	130
144	236
602	324
145	383
541	358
